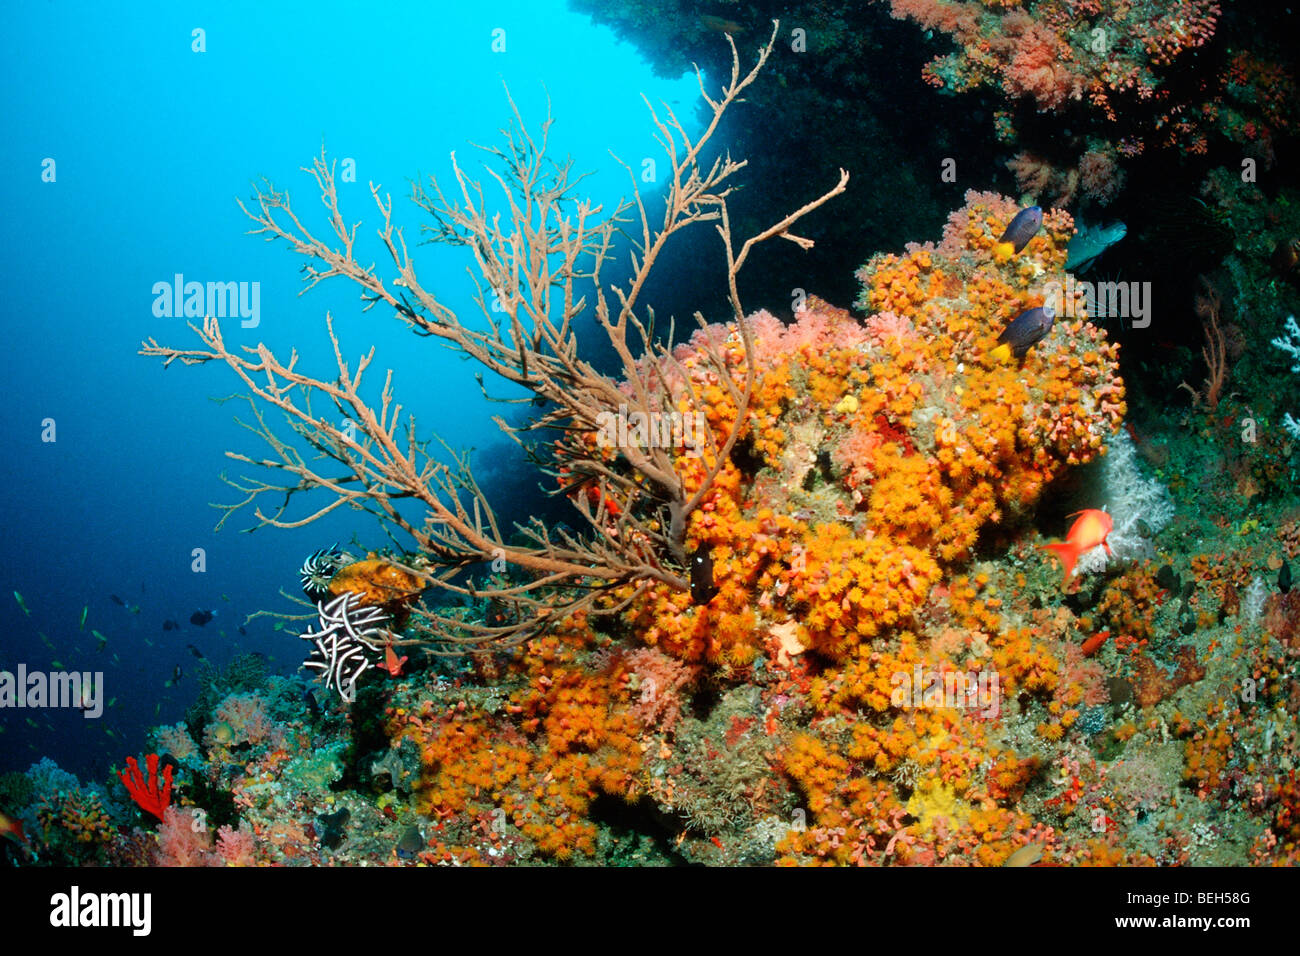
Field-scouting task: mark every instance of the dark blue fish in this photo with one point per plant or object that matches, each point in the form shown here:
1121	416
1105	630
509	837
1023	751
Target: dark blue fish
331	827
117	600
170	625
1025	329
411	842
1023	227
194	650
702	587
200	618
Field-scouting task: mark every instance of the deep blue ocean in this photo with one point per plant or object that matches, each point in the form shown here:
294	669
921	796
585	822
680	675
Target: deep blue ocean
124	152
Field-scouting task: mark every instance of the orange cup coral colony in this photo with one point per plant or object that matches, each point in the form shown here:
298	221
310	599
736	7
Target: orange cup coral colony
885	445
872	455
377	582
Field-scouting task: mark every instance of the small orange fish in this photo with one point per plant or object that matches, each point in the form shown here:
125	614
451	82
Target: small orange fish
392	663
1093	644
1085	534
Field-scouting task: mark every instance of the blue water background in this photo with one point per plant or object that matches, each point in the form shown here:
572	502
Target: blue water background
153	143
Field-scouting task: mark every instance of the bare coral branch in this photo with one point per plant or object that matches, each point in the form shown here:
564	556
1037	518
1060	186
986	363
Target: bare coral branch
537	252
1215	351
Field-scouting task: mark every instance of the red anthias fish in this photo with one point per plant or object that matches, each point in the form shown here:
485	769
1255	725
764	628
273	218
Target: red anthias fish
1086	533
392	663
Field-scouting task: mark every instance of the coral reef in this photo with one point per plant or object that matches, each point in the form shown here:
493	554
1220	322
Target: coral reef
816	628
878	666
927	440
74	825
1115	60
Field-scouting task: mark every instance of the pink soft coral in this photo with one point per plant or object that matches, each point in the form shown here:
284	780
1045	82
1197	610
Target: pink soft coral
183	840
246	716
660	679
1085	672
1100	175
1047	183
853	456
1037	64
235	847
887	327
819	326
960	19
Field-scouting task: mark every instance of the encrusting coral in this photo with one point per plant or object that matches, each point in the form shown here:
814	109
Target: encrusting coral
873	454
877	451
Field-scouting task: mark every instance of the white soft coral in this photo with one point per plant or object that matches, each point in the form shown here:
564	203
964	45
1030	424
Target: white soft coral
1130	497
1290	344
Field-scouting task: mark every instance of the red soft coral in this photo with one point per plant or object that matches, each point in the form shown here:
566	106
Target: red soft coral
151	794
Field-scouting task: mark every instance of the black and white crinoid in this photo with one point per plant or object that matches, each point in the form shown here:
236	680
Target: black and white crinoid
350	641
318	569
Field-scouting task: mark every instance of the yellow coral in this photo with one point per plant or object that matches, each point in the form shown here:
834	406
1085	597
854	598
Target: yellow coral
932	799
376	581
